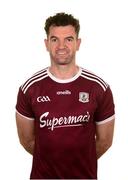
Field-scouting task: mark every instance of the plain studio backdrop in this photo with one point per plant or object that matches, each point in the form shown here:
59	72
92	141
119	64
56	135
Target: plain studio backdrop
104	50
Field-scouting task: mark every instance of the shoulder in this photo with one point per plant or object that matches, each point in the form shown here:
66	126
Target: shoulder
36	77
94	79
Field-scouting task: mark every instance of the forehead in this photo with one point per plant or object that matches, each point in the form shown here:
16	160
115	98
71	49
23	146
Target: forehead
62	31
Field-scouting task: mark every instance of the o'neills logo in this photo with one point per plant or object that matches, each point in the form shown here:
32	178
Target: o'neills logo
63	121
65	92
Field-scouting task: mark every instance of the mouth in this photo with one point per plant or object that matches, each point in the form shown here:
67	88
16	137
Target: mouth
62	52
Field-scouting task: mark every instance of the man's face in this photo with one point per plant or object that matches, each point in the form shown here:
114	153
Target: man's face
62	44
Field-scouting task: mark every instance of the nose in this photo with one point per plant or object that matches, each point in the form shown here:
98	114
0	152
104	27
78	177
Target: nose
61	44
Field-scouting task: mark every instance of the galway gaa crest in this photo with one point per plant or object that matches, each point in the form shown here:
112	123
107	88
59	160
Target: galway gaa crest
83	97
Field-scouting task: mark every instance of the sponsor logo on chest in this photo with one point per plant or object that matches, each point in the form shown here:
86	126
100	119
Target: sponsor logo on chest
63	121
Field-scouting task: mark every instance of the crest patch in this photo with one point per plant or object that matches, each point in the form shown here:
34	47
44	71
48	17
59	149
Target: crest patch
83	97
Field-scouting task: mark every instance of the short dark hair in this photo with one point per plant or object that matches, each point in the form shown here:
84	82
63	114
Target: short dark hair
62	19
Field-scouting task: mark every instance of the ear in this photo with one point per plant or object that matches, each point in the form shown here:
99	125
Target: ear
78	44
46	44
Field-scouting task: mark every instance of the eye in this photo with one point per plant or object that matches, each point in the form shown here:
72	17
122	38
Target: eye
69	39
54	40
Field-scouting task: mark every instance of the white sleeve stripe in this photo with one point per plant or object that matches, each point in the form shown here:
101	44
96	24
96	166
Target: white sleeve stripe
36	80
92	79
106	120
31	119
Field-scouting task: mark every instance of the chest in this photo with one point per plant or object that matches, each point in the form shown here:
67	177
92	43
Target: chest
63	100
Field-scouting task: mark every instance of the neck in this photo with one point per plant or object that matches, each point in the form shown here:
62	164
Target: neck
64	72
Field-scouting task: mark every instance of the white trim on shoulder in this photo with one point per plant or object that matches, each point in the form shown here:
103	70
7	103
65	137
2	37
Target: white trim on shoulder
85	72
106	120
36	80
36	77
31	119
95	81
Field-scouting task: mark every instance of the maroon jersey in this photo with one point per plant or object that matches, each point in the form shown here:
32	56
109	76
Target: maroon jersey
65	113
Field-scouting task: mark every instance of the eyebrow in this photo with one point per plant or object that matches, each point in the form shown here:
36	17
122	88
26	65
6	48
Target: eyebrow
53	37
71	37
65	37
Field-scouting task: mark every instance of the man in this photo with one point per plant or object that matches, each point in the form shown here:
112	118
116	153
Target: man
65	114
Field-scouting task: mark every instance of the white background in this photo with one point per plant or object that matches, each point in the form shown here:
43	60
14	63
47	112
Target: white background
104	50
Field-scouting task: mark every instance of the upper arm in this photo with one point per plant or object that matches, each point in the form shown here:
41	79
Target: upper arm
25	127
104	132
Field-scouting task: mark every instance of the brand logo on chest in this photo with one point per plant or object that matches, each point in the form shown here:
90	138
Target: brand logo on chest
65	92
43	99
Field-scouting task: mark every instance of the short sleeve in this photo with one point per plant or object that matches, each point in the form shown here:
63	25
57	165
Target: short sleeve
106	109
23	105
